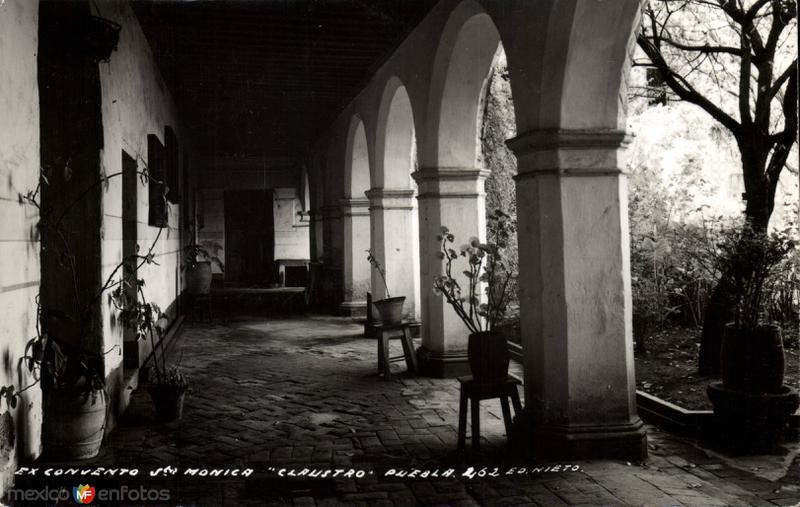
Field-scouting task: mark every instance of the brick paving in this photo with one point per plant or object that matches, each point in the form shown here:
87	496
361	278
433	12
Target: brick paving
304	393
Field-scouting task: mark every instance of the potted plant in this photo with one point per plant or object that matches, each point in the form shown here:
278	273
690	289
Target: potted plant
481	312
167	385
197	261
752	405
390	309
65	357
73	387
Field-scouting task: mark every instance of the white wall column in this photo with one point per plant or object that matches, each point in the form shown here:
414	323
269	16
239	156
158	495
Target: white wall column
453	197
575	294
392	242
357	281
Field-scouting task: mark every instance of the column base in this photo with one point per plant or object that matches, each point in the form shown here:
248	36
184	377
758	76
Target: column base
443	364
578	442
353	309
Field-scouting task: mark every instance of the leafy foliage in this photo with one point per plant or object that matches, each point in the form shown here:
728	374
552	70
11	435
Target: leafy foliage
57	356
499	125
194	253
752	259
146	319
486	268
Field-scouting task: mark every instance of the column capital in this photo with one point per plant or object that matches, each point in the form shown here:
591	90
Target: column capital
284	193
355	206
449	173
572	152
390	198
450	182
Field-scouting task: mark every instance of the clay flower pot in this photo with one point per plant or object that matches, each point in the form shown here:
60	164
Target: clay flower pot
198	278
75	424
390	310
753	361
168	400
487	352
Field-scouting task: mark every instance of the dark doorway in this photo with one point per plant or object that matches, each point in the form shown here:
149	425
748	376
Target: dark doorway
249	237
71	137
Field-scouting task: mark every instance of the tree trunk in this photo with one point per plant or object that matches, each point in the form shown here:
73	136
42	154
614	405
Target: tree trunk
722	303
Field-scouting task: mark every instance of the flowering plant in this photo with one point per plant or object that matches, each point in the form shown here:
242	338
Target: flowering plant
486	266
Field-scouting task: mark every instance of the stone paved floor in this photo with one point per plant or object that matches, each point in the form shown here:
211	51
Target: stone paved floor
304	393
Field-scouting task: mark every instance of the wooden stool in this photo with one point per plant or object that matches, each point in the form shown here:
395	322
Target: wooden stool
384	334
477	392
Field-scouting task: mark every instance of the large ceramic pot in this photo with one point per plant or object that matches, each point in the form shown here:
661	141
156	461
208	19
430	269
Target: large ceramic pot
198	278
487	352
753	361
168	400
390	310
74	424
750	423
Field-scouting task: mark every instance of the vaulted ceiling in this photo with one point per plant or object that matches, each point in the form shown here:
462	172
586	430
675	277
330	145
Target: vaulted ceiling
266	77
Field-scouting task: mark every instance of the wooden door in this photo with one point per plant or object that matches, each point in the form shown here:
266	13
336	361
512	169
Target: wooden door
249	237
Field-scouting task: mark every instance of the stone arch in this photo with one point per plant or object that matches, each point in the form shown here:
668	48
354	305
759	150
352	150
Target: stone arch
450	179
357	173
355	221
569	65
464	56
394	220
395	142
594	93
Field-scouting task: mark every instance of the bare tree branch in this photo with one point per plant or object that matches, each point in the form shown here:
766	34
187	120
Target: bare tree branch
702	49
786	74
785	139
684	89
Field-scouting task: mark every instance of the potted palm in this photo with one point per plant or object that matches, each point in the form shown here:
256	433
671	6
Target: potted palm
752	405
390	309
480	310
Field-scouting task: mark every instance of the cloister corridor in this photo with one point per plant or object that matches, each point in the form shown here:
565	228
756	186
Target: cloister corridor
303	393
232	182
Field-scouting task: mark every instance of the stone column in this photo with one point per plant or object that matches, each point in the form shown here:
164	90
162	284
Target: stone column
393	236
332	260
356	227
453	197
575	295
316	235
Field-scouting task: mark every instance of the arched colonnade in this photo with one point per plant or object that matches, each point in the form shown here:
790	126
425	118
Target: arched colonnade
402	159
